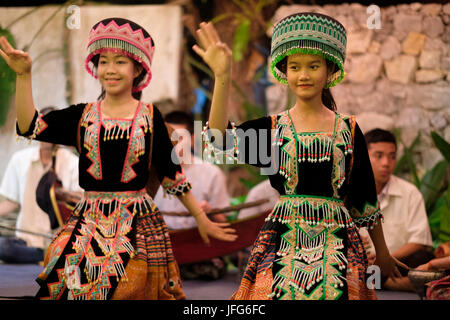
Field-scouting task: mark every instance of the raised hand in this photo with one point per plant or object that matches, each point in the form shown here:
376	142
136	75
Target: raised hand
17	60
212	50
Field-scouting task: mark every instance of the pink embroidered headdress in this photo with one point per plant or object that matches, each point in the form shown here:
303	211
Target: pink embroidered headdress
124	36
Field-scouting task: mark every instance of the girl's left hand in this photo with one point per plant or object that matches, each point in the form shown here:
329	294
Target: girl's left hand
216	230
212	50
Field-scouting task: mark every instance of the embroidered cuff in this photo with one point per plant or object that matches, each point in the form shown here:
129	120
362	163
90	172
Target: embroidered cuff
177	186
368	219
37	125
215	154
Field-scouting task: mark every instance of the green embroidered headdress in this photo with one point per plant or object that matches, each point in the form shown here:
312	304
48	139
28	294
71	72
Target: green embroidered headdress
309	33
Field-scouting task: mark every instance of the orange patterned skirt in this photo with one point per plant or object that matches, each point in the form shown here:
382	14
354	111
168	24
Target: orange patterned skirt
115	246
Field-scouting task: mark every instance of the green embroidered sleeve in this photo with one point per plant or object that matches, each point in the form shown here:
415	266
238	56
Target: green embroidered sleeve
362	198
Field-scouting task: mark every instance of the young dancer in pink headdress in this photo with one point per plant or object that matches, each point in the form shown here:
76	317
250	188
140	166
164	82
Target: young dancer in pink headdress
116	244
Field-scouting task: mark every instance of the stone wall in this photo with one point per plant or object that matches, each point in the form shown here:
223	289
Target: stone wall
397	76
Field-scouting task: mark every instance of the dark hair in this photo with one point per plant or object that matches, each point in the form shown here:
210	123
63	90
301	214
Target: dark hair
380	135
327	97
181	117
137	95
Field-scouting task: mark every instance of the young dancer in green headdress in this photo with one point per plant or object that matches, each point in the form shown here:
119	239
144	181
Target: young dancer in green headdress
309	247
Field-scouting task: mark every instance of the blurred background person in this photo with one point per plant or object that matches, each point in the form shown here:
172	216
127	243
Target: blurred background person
208	187
405	225
20	180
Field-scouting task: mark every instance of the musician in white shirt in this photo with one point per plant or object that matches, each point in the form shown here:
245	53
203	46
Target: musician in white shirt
208	187
18	188
207	180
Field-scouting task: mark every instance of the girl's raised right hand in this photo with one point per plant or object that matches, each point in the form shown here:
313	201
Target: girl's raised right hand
212	50
17	60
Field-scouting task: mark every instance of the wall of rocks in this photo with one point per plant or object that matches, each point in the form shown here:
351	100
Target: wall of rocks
397	76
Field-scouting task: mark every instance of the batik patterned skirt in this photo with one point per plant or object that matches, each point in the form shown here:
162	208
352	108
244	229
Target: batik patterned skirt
115	246
308	249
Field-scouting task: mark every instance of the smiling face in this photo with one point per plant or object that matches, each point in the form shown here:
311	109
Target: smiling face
116	73
306	75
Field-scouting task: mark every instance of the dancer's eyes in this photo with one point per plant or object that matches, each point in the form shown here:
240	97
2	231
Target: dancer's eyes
118	61
295	68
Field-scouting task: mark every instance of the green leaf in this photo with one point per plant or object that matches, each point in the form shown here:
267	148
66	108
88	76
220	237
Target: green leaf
241	38
238	200
442	145
415	142
234	202
7	80
408	153
444	228
431	183
401	165
412	168
434	217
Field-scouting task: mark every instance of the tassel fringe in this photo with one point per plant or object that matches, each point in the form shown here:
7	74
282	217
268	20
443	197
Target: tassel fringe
107	221
328	212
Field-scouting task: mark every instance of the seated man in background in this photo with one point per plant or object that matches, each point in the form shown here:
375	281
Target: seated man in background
405	226
208	187
18	188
